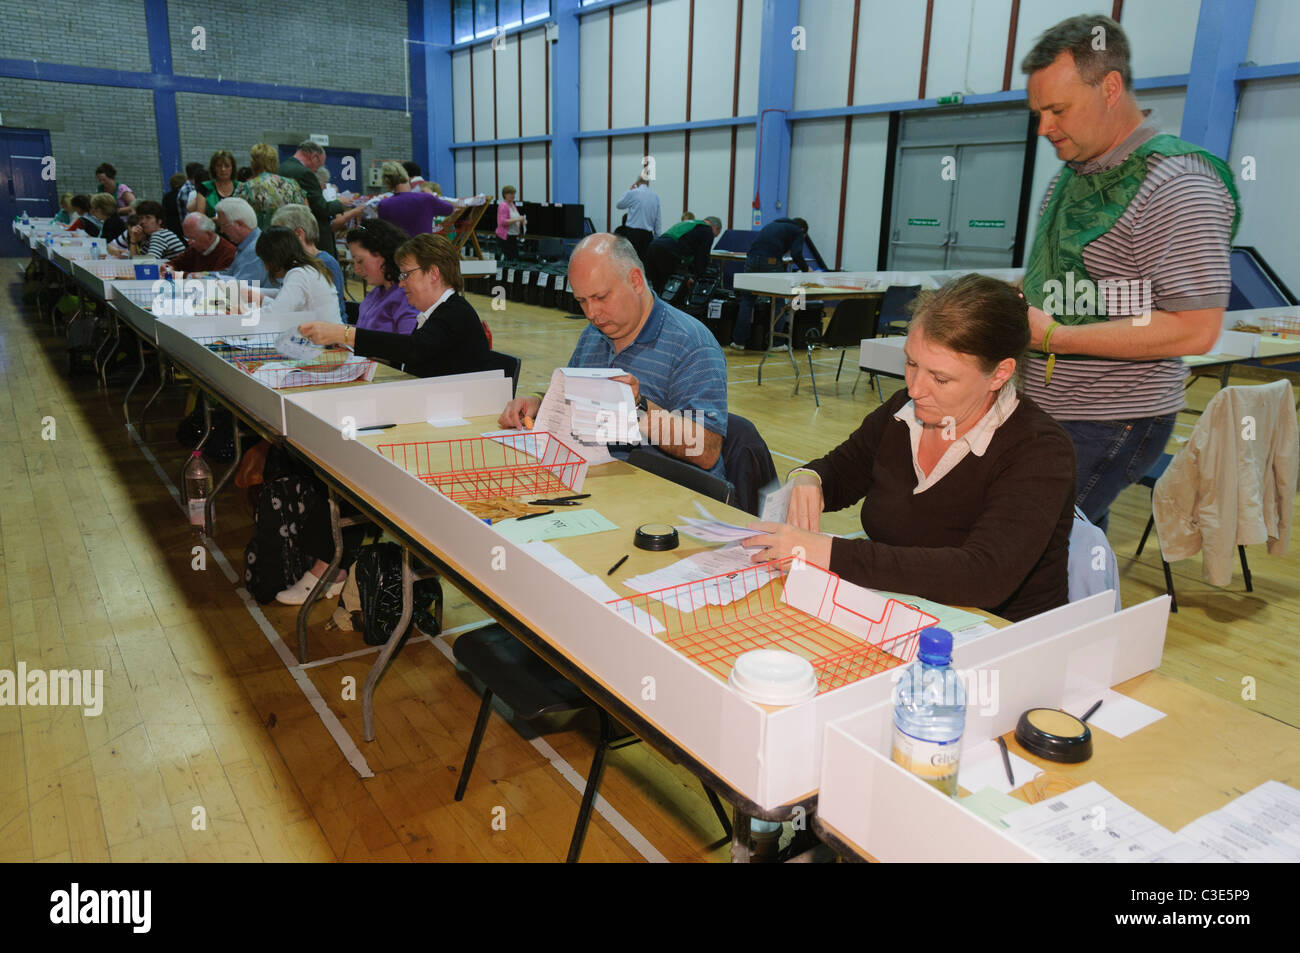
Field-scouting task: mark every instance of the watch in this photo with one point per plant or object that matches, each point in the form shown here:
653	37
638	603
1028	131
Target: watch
642	406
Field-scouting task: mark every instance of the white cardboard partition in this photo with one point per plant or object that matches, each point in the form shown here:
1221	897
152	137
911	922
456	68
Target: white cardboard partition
895	816
867	281
91	273
472	266
883	355
133	301
770	757
178	337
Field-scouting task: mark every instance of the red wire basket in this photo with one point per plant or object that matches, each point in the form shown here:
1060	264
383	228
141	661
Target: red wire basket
715	620
482	468
251	353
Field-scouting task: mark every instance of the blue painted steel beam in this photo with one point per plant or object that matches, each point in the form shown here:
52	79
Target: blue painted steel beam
565	53
775	103
1272	71
167	123
431	87
1222	37
95	76
516	141
417	64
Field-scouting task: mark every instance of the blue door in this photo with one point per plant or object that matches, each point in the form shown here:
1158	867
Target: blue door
27	183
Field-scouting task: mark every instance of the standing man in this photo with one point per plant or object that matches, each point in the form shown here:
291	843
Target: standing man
1129	269
642	223
778	238
685	244
301	167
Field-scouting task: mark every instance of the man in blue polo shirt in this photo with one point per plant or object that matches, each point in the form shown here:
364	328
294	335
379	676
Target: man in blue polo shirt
672	363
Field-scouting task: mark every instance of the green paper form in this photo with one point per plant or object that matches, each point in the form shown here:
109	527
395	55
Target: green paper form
553	526
992	805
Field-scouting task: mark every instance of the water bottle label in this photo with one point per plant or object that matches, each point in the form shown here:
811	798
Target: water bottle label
197	514
931	761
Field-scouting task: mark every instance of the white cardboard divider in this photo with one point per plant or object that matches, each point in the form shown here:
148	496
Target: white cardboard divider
895	816
770	757
883	355
91	273
472	266
133	301
178	337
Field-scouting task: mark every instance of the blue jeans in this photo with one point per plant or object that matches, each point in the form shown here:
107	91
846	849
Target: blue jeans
1111	454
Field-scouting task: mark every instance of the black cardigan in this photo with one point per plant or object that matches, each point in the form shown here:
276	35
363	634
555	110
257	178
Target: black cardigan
993	533
451	341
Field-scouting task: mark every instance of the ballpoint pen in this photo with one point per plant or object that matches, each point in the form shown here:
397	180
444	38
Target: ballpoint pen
1006	761
531	515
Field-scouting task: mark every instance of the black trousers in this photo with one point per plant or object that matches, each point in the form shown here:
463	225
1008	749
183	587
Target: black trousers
318	540
639	237
510	248
660	263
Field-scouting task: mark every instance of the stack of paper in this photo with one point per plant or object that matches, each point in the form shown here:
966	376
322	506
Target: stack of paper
730	574
1262	826
588	411
281	374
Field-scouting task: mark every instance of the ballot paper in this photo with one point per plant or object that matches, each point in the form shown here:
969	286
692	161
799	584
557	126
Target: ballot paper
553	526
1088	824
711	530
729	573
1261	826
296	347
281	374
775	503
588	411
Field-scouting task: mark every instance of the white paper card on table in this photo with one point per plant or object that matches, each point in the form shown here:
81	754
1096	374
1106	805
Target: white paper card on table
554	526
553	559
448	422
1118	715
687	579
1088	824
982	767
595	587
714	531
1261	826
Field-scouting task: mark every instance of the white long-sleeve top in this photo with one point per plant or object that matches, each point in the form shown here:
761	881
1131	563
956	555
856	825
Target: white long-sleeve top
304	291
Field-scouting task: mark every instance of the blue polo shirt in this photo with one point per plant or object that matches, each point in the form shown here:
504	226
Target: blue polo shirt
677	361
247	266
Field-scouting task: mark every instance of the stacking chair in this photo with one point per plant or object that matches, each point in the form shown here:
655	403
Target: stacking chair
683	473
508	363
848	325
893	319
748	463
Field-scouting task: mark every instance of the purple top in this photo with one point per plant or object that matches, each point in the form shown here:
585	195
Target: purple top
386	309
413	212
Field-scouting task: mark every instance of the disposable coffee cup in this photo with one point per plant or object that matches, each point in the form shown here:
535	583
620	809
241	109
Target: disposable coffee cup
773	677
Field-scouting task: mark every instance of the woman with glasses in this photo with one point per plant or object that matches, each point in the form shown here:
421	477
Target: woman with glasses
448	338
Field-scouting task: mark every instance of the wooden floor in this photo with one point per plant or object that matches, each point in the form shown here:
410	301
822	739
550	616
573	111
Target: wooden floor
208	747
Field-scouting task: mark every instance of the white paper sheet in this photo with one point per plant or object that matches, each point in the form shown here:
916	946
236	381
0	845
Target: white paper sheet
1261	826
982	767
740	577
1118	715
279	375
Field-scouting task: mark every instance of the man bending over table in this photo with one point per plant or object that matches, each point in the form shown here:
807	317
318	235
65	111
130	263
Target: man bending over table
672	363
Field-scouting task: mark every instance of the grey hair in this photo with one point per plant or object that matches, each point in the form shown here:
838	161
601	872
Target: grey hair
237	210
309	148
205	224
614	247
715	222
297	216
323	173
1078	36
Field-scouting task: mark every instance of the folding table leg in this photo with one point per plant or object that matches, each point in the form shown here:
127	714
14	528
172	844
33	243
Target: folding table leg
718	809
209	519
126	398
476	739
386	654
162	382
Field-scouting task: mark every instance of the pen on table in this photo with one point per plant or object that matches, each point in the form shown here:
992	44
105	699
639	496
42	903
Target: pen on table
1091	711
554	502
531	515
376	427
572	496
1006	761
615	566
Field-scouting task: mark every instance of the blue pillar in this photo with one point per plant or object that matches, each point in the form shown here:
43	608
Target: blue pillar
429	27
564	103
166	118
1222	35
775	100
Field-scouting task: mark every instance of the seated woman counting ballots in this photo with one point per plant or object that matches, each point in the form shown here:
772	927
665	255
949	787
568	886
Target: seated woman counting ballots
385	306
967	486
306	285
449	340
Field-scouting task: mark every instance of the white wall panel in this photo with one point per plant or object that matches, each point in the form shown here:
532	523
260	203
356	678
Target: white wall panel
1167	106
1268	130
485	171
507	171
1274	32
669	23
535	96
890	37
968	46
821	72
714	60
464	175
1038	16
507	67
532	178
864	197
1160	35
591	179
742	211
710	175
669	150
751	41
593	71
482	91
628	86
816	158
460	95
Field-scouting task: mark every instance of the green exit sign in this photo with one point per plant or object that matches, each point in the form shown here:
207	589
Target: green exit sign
927	222
988	223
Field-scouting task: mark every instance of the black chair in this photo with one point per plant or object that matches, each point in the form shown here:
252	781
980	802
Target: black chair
894	314
683	473
531	688
748	463
850	322
509	364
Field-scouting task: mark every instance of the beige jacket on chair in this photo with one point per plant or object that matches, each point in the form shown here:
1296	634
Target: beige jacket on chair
1234	483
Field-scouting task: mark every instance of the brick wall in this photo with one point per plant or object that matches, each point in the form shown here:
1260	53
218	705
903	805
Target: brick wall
105	33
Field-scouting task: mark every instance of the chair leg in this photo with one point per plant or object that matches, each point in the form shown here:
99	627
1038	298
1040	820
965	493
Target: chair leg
1151	521
480	726
841	366
718	809
1169	587
857	380
589	792
1245	570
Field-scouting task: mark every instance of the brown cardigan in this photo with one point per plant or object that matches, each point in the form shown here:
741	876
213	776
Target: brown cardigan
993	533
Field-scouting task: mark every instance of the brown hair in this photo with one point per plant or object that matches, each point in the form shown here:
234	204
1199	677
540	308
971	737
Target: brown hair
100	202
221	155
431	251
1079	37
976	315
264	158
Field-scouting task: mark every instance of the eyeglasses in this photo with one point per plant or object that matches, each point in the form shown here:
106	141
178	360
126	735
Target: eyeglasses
403	275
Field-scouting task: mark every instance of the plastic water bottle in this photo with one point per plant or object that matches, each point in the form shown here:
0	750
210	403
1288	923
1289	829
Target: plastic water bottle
930	714
198	487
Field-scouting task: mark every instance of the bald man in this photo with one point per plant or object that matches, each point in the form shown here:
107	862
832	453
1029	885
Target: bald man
673	364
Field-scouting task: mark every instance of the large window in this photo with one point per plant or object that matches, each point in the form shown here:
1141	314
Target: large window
480	19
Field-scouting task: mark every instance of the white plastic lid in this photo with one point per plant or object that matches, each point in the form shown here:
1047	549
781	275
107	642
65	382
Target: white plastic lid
773	677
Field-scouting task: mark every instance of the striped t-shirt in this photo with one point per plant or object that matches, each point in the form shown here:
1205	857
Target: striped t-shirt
163	243
1173	240
675	359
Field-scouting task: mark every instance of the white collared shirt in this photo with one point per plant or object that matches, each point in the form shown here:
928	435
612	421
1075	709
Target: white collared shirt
424	315
976	440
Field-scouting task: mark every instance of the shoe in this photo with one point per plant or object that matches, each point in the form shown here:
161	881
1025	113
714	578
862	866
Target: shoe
297	594
737	347
779	347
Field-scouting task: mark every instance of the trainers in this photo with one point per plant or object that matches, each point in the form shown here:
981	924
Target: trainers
297	594
779	347
736	347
